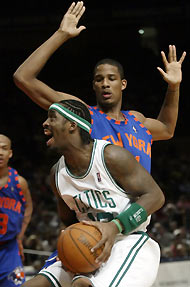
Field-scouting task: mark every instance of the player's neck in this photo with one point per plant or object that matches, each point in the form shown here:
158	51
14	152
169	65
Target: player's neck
4	174
116	116
4	171
113	112
78	161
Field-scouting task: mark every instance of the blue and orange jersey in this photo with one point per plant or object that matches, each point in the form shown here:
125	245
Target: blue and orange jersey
130	134
12	207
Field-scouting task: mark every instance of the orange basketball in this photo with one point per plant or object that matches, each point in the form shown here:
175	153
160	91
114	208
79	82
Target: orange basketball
74	245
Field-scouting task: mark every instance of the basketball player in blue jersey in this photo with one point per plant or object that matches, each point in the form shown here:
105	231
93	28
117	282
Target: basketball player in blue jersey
15	215
94	179
129	129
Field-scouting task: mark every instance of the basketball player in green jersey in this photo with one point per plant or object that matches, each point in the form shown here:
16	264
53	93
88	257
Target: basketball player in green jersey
26	79
95	179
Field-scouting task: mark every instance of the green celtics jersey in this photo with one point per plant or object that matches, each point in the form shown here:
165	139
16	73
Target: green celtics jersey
95	195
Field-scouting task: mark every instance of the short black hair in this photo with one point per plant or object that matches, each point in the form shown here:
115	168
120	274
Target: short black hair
111	62
81	110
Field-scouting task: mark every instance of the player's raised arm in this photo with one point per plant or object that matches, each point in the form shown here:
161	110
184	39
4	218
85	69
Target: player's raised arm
173	76
25	76
163	127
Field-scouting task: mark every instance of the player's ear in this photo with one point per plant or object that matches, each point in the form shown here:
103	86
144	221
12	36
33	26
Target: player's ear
123	84
10	153
73	126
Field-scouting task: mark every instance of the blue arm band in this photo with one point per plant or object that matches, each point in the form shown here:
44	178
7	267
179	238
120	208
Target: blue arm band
131	218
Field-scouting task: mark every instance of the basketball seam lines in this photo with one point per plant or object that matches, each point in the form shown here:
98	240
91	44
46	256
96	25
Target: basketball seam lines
79	247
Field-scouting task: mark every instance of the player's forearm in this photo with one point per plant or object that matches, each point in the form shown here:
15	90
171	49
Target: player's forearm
169	112
138	212
152	203
36	61
25	222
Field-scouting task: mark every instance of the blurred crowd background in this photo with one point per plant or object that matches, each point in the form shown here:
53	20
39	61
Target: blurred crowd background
132	33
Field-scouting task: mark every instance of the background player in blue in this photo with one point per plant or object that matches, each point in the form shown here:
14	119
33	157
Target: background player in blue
129	129
15	215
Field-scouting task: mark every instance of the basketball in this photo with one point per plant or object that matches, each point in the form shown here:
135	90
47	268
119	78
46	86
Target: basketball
74	245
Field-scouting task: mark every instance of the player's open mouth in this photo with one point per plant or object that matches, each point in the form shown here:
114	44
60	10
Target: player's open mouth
49	134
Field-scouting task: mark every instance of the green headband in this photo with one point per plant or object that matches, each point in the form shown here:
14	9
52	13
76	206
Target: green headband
82	123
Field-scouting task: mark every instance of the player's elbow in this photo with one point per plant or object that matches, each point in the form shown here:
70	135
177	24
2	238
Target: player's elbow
170	135
22	82
18	78
165	136
159	199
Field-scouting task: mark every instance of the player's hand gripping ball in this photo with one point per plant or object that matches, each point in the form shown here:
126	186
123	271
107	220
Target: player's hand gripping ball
74	245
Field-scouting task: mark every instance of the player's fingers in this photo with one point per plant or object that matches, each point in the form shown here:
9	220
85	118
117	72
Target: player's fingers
161	71
174	56
164	59
81	12
103	257
98	245
71	8
170	54
81	28
182	58
77	8
86	222
21	253
93	223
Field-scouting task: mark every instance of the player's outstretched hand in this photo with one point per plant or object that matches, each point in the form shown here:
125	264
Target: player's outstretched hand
71	19
172	74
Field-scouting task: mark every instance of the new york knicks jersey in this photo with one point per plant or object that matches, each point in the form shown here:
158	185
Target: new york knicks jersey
12	206
95	195
130	134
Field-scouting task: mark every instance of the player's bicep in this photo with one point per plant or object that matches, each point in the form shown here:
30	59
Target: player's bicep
127	172
158	129
28	199
26	192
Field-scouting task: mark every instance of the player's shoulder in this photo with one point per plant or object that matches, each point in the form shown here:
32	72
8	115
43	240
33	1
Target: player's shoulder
115	153
54	169
20	176
138	115
117	160
22	181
